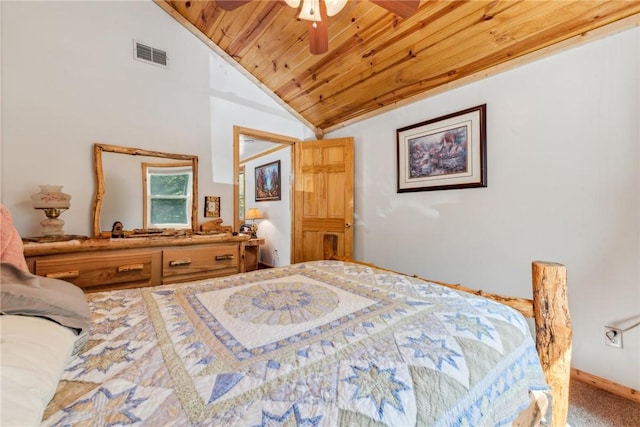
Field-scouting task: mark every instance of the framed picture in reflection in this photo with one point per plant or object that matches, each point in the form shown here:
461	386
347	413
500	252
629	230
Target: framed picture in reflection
268	182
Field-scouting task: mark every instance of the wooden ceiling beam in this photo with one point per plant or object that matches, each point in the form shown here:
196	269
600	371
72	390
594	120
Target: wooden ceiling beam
402	8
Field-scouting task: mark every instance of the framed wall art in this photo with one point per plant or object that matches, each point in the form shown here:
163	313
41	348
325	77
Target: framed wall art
444	153
212	207
268	182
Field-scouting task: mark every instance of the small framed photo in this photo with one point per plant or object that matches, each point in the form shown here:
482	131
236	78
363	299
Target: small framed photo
268	182
212	207
444	153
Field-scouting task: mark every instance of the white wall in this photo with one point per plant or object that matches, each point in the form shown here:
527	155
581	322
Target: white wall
563	185
69	80
235	101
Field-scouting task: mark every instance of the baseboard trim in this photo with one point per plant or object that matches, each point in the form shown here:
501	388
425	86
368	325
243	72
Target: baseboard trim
604	384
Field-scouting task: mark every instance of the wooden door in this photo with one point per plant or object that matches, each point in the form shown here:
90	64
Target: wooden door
323	200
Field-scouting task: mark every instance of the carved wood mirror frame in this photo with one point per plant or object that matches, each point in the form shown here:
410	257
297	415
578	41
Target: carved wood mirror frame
98	149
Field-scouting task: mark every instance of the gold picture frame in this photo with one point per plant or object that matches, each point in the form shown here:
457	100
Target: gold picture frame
212	206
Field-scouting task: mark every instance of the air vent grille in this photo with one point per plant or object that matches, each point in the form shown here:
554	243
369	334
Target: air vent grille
150	54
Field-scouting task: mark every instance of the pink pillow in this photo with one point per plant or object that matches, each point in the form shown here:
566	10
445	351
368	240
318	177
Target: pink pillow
11	248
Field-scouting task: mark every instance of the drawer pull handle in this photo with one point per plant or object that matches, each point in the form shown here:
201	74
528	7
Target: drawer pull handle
224	257
74	274
130	267
179	262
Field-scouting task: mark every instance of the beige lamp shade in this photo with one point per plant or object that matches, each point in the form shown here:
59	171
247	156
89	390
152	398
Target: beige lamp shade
253	213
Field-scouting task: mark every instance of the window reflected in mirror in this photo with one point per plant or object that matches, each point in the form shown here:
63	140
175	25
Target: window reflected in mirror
143	189
167	195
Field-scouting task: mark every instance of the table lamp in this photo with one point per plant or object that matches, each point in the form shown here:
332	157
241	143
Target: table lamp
253	214
52	201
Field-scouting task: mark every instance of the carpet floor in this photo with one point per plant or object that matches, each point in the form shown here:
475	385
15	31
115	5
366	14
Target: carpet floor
593	407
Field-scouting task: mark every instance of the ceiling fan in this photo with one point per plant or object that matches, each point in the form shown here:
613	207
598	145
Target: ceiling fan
316	12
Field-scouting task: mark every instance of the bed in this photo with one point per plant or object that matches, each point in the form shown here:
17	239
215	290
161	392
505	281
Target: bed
320	343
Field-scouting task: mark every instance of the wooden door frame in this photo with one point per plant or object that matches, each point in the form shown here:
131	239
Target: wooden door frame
270	137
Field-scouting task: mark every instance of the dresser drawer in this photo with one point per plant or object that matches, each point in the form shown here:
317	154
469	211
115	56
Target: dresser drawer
98	269
206	258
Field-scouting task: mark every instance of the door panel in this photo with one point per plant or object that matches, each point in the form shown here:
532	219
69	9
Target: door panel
323	207
335	205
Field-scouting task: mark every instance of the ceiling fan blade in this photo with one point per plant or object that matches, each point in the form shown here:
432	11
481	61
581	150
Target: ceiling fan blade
403	8
229	5
319	35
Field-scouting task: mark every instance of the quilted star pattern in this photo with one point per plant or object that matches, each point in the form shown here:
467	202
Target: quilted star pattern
114	403
380	387
323	343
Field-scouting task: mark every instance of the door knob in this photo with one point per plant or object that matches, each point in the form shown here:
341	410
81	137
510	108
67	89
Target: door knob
347	225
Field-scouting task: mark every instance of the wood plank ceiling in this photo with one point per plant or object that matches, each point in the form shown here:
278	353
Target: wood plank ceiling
377	60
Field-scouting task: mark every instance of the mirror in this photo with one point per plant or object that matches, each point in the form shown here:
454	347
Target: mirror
125	178
251	144
253	148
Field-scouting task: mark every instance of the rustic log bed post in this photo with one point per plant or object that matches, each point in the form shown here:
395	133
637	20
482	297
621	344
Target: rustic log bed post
550	310
553	333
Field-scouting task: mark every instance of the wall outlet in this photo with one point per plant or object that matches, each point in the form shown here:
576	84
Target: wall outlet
613	337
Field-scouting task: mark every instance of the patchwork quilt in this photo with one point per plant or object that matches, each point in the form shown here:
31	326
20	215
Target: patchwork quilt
322	343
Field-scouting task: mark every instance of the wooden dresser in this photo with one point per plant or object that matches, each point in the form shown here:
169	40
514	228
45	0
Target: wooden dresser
106	264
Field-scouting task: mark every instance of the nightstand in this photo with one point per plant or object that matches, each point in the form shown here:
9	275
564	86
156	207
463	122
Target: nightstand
251	252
